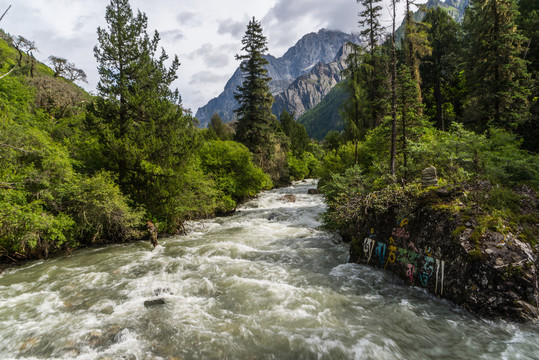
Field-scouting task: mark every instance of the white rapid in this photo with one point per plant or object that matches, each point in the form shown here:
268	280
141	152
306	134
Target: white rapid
265	283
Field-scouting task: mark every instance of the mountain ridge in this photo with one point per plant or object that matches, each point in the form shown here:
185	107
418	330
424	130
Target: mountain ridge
312	49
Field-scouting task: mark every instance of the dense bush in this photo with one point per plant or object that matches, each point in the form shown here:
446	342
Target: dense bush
229	163
101	211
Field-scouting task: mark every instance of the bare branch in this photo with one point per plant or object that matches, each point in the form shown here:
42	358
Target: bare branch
5	12
6	74
15	148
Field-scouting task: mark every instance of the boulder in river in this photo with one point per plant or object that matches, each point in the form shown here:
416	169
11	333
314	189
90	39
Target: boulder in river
149	303
288	198
313	191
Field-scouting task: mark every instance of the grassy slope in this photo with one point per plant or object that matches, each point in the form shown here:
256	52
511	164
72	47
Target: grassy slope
325	116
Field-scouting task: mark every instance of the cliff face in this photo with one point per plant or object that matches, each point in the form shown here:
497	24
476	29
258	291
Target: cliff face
491	274
309	89
303	58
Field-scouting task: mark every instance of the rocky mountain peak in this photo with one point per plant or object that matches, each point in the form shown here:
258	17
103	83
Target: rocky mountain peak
322	47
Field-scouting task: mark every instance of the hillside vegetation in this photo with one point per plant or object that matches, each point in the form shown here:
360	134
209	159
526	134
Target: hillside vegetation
80	170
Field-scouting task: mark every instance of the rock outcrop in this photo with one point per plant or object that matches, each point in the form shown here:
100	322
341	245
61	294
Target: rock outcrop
309	89
490	273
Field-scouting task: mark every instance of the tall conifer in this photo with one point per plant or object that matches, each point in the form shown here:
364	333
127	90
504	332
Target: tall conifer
439	68
374	66
254	97
415	45
496	69
145	136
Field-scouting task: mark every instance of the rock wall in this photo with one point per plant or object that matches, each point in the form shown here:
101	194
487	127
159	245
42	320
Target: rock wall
494	276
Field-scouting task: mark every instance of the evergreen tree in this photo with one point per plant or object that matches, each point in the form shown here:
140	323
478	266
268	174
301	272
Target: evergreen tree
374	66
145	135
393	148
355	106
496	70
299	140
410	114
370	21
257	128
415	45
439	68
528	22
218	129
254	113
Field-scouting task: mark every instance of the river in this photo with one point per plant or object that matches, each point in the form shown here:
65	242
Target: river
264	283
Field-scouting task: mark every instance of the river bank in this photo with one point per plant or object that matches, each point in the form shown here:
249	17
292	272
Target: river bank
445	241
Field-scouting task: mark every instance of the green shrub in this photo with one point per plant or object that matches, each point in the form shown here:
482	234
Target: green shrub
230	165
101	211
298	168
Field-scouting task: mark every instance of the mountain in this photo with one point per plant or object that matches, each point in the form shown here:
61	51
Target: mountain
312	49
309	89
325	116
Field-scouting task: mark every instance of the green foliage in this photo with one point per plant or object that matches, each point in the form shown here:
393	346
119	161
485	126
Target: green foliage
325	116
349	199
528	23
495	67
299	140
101	211
439	69
336	161
298	168
45	206
332	141
229	164
144	135
218	129
354	108
506	163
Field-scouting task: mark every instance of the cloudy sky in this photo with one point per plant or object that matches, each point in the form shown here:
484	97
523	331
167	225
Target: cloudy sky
205	34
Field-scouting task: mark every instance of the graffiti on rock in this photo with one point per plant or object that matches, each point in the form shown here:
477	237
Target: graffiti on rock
419	267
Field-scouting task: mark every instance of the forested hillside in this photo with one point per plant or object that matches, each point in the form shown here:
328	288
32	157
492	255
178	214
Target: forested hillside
79	170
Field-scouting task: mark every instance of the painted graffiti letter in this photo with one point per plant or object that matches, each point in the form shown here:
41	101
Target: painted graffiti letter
381	252
426	272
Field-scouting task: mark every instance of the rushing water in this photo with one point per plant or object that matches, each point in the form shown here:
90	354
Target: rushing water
265	283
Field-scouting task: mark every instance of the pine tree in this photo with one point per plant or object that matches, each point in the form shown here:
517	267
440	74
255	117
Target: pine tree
374	65
254	113
439	68
355	106
415	45
496	70
145	135
370	21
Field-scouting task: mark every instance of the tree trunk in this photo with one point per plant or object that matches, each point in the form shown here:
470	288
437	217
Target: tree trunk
392	162
439	113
